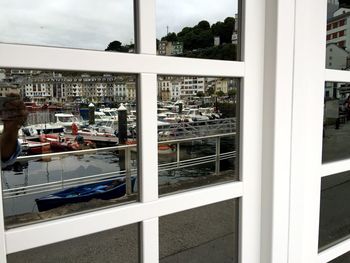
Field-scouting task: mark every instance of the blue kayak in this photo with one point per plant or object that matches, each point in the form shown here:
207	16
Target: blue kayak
103	190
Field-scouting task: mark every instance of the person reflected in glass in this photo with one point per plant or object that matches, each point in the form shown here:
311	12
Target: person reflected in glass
347	107
13	114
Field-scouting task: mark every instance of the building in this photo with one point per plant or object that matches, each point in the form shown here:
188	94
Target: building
274	189
190	86
338	28
337	57
167	48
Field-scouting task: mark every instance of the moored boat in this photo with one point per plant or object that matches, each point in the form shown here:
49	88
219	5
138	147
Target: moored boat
110	189
32	148
61	143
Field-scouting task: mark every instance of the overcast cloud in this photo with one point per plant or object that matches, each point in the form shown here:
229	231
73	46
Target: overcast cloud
94	24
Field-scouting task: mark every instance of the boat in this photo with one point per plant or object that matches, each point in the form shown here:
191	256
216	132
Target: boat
66	120
106	190
32	106
32	147
194	115
163	148
43	128
110	113
61	143
166	148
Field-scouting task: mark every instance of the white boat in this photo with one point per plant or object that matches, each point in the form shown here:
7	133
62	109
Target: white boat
101	117
169	117
210	112
111	114
43	128
66	120
194	115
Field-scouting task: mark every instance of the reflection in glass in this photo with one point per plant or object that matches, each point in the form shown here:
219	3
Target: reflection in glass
78	144
336	125
206	234
201	30
74	24
338	43
197	125
334	209
116	245
342	259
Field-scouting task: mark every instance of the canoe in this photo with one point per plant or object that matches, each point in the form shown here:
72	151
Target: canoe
102	190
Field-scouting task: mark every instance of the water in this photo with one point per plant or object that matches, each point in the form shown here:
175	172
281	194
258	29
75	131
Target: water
57	169
52	170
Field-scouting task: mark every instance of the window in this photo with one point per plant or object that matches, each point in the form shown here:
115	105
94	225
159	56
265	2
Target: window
59	25
341	43
135	160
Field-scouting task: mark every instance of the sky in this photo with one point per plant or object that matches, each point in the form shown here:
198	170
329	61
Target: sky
92	24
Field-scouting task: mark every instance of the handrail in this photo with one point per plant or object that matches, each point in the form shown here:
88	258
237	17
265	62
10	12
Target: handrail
128	172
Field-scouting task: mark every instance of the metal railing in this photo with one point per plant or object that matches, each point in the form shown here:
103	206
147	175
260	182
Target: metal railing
196	129
127	171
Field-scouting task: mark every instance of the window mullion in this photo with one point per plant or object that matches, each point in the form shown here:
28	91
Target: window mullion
251	125
145	26
150	249
308	103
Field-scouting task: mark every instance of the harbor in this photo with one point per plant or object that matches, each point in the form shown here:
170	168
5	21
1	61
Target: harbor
82	158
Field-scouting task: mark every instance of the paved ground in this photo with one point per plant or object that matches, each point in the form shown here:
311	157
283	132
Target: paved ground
335	193
207	234
204	235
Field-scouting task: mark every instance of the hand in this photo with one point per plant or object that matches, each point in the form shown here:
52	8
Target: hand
14	114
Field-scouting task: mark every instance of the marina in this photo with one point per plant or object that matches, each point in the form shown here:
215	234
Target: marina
78	157
194	161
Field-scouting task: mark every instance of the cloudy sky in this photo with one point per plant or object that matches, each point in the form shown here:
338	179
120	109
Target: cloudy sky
93	24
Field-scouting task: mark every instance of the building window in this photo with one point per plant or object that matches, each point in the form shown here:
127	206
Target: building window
341	43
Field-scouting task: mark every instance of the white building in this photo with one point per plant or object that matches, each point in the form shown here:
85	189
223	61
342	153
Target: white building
175	90
338	28
190	86
336	57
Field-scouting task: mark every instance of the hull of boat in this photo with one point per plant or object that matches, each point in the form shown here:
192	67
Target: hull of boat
103	190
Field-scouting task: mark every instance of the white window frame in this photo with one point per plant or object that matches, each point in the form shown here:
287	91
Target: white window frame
295	76
148	65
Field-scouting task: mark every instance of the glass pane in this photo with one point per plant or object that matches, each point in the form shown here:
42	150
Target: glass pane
338	43
336	132
78	143
204	235
107	25
197	125
334	210
200	30
342	259
107	246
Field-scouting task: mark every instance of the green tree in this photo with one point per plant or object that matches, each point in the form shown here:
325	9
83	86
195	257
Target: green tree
210	91
204	25
171	37
232	93
220	93
116	46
